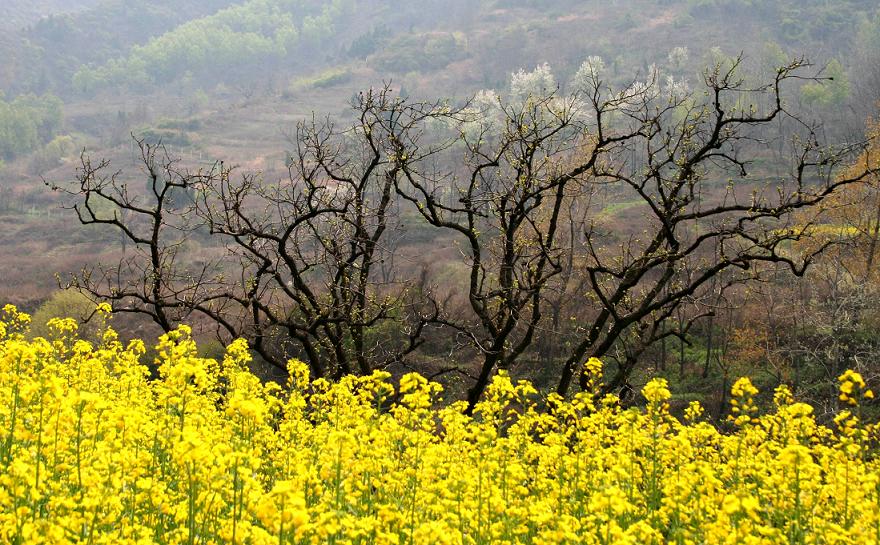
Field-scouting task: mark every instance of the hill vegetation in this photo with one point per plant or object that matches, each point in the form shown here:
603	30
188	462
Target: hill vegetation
26	123
114	42
212	48
19	14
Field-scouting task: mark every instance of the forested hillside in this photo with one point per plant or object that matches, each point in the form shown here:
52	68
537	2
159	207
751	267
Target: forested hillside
22	13
213	48
116	42
44	54
271	92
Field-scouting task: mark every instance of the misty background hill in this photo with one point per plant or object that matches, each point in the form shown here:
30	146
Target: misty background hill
77	49
225	79
228	80
22	13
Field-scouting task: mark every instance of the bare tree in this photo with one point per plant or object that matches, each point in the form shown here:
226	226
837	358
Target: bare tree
692	236
150	278
664	150
293	266
520	187
311	248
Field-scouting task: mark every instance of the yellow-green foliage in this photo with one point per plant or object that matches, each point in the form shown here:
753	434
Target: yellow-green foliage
93	452
327	78
62	304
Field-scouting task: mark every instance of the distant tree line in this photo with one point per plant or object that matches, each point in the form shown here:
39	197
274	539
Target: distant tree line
256	32
46	55
795	21
27	123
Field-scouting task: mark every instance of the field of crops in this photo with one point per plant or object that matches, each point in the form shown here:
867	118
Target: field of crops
92	451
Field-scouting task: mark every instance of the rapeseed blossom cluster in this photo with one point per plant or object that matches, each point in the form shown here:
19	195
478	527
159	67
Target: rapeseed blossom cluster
92	451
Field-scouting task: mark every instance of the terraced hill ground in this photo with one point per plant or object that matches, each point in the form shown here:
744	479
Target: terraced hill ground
242	113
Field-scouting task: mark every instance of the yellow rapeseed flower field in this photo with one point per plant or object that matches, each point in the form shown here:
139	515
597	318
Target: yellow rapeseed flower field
93	452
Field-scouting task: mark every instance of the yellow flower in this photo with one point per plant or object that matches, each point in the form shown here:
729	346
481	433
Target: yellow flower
852	387
657	391
693	412
91	450
594	367
742	404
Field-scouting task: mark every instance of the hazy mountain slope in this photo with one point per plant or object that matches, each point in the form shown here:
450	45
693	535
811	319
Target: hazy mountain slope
255	32
48	52
118	42
20	13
